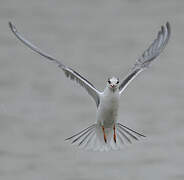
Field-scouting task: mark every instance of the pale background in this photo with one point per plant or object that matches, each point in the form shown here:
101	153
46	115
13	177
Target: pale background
39	107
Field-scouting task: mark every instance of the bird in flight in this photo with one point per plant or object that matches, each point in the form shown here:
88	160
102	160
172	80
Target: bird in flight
107	134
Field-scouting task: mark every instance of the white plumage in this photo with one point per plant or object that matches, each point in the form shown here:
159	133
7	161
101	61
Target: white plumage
107	134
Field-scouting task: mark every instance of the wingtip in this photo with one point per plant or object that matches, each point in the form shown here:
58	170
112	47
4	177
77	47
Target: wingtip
12	27
168	27
162	28
10	24
168	24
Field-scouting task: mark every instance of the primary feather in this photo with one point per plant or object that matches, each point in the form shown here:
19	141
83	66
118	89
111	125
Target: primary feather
92	91
148	55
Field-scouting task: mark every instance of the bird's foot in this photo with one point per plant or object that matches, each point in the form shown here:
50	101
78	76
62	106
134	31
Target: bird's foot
103	129
114	133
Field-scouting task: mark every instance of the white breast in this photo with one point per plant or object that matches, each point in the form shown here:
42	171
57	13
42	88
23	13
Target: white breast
108	108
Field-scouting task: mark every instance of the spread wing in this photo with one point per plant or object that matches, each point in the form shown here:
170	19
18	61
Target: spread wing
69	72
148	56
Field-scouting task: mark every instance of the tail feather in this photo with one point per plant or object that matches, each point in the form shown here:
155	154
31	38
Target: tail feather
83	140
123	131
127	133
92	137
131	130
89	140
83	136
80	132
120	138
122	134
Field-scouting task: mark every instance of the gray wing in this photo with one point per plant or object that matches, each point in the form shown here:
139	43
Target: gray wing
148	56
73	75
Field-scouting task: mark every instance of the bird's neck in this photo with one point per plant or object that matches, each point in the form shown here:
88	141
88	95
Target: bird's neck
111	92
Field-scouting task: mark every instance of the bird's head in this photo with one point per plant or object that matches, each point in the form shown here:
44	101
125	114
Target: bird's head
113	83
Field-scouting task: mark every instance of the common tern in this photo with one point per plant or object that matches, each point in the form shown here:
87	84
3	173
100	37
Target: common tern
107	134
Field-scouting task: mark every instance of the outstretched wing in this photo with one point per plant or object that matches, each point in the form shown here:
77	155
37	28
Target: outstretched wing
73	75
148	56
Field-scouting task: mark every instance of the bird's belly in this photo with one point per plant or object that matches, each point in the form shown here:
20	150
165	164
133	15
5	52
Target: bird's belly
107	113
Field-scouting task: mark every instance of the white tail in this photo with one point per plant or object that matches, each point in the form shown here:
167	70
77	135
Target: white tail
92	138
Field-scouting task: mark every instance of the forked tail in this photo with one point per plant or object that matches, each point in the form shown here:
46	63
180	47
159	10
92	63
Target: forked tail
92	137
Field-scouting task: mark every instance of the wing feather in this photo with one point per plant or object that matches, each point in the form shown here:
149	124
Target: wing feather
148	55
73	75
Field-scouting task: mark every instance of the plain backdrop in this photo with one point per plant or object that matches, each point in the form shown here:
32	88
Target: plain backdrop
40	107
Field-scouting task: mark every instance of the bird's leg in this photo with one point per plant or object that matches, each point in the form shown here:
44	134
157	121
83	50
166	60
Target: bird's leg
103	129
114	133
